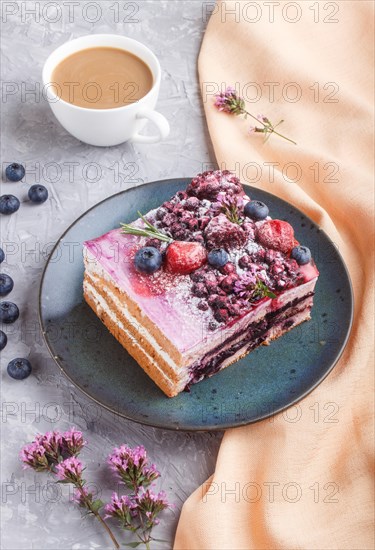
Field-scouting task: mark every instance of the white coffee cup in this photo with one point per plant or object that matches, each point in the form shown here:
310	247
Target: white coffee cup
105	127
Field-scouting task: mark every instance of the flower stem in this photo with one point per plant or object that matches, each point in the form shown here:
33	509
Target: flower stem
270	129
88	504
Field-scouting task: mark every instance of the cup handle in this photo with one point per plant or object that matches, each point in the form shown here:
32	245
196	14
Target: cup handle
160	122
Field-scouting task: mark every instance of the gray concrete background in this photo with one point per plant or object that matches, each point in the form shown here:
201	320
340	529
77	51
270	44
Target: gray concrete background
34	514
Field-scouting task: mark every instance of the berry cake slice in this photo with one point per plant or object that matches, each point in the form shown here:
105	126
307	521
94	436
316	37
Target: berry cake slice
199	282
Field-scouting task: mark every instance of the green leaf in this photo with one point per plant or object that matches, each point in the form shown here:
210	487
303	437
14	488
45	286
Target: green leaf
133	544
97	504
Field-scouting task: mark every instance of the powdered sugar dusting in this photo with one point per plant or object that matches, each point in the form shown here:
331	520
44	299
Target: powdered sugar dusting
189	306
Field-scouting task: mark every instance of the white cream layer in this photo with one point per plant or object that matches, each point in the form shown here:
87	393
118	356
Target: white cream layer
102	305
144	333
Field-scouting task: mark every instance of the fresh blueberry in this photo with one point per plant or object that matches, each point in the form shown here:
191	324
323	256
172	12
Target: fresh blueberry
38	194
6	284
218	257
9	204
3	340
9	312
15	172
301	254
19	368
2	256
256	210
148	259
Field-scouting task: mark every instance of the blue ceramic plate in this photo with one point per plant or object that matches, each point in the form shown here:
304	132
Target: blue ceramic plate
265	382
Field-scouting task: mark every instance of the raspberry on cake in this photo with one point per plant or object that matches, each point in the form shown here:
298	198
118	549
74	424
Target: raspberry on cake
199	282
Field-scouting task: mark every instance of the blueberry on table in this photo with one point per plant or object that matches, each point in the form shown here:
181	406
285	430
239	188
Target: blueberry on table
9	312
218	257
19	368
148	259
9	204
2	256
3	340
256	210
38	194
301	254
15	172
6	284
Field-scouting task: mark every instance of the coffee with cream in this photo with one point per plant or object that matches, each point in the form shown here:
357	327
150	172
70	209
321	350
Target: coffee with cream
102	78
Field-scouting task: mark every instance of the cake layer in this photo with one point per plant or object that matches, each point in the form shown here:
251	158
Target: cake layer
171	378
133	347
208	340
113	305
164	302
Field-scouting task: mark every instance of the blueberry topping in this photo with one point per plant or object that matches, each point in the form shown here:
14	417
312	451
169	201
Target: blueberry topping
15	172
6	284
3	340
301	254
9	204
2	256
256	210
38	194
19	369
148	259
9	312
218	257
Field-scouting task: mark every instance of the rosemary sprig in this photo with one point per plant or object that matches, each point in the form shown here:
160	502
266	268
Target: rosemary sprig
149	231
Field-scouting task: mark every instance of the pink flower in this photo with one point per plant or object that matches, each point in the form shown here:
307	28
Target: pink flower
230	205
150	505
50	448
251	286
124	508
69	470
52	443
131	466
73	441
33	456
230	102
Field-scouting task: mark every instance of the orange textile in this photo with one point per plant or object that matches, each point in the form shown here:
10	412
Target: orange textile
303	479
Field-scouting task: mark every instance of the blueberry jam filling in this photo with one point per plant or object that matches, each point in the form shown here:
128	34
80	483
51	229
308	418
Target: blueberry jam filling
253	335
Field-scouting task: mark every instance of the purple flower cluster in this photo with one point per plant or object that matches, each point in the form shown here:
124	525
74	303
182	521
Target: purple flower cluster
34	456
230	102
230	205
252	286
150	505
51	448
139	510
69	470
132	466
123	508
57	452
